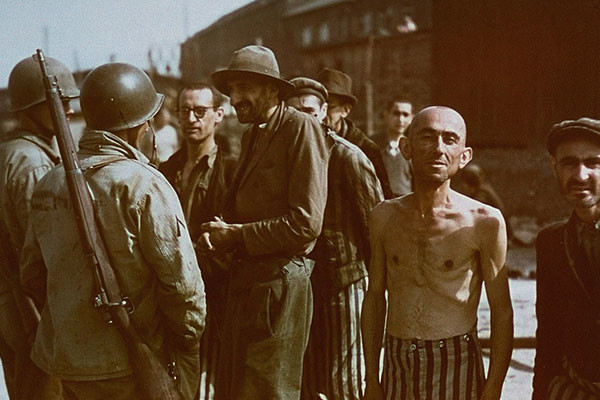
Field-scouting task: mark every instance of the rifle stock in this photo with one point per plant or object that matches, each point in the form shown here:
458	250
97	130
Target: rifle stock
152	378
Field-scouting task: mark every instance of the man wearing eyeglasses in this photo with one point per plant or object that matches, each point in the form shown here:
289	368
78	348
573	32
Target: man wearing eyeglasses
200	173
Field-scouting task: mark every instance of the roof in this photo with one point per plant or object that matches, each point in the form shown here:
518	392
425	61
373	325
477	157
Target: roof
312	6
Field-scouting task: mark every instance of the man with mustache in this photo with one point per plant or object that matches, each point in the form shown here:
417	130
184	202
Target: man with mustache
431	250
273	215
567	362
200	172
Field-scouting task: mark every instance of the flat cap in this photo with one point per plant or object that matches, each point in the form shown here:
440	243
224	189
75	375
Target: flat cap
572	128
304	85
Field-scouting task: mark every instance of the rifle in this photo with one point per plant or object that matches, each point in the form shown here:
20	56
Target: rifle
152	379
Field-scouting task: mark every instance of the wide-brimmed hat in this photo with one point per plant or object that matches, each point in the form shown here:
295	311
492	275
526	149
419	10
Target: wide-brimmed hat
337	83
570	128
254	61
304	85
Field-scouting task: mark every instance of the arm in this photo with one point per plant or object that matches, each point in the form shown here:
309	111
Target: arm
374	306
492	231
365	193
32	268
305	191
549	334
166	245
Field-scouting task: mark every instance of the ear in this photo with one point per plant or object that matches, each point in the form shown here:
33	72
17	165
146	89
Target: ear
220	113
346	108
465	157
405	148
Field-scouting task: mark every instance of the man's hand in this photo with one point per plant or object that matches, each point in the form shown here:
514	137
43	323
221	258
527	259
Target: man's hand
219	236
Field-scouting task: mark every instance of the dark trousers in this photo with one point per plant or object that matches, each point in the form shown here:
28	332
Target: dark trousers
269	312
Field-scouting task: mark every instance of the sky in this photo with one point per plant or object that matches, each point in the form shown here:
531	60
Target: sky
86	33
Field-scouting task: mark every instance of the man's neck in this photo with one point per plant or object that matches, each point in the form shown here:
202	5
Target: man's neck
198	150
393	135
268	114
29	125
589	215
429	197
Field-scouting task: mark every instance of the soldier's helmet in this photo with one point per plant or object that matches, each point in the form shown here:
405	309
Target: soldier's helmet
26	87
118	96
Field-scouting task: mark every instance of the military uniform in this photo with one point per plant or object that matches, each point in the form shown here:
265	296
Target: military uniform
152	255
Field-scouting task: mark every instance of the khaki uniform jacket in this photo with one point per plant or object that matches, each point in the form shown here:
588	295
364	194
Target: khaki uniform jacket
152	255
280	188
24	159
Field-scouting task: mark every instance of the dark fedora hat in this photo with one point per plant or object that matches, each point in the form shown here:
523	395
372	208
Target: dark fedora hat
337	83
253	61
572	128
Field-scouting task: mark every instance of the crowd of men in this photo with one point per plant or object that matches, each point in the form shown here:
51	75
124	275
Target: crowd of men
283	274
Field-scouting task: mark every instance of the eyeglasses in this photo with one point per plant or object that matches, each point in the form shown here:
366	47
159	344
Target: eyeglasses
199	112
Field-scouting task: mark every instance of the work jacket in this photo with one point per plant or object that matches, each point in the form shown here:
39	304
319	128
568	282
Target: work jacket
147	241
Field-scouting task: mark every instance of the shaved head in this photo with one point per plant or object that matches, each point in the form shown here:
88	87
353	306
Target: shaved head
439	118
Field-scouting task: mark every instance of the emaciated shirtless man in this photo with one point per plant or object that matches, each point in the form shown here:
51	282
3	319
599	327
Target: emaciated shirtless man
431	251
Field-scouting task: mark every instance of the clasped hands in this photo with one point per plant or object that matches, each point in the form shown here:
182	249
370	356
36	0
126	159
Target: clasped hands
219	236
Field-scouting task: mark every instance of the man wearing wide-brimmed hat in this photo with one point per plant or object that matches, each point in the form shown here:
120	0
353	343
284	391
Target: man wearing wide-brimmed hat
273	215
340	103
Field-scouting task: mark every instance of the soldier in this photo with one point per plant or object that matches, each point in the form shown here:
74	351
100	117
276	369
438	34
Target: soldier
398	115
340	103
200	173
143	228
431	251
333	363
273	215
567	360
25	157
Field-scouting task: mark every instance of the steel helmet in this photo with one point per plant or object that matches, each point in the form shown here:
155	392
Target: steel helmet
26	87
118	96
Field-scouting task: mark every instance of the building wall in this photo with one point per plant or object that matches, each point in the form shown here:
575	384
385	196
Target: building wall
389	38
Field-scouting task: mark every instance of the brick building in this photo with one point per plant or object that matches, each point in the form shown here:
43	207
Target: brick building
513	67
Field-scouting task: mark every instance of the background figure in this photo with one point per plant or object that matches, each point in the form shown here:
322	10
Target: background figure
471	181
333	362
339	104
201	172
431	251
166	138
567	360
272	218
398	115
143	228
26	156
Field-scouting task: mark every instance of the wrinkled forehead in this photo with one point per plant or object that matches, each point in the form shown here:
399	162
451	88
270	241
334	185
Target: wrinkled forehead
439	119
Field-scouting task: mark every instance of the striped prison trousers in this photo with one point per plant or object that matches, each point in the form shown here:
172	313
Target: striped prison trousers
572	387
415	369
209	354
334	366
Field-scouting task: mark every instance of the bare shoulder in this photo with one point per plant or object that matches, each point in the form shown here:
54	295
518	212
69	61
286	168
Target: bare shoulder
389	210
479	211
487	221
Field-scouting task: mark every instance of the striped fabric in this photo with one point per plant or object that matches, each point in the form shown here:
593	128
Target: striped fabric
433	369
334	366
209	352
572	387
